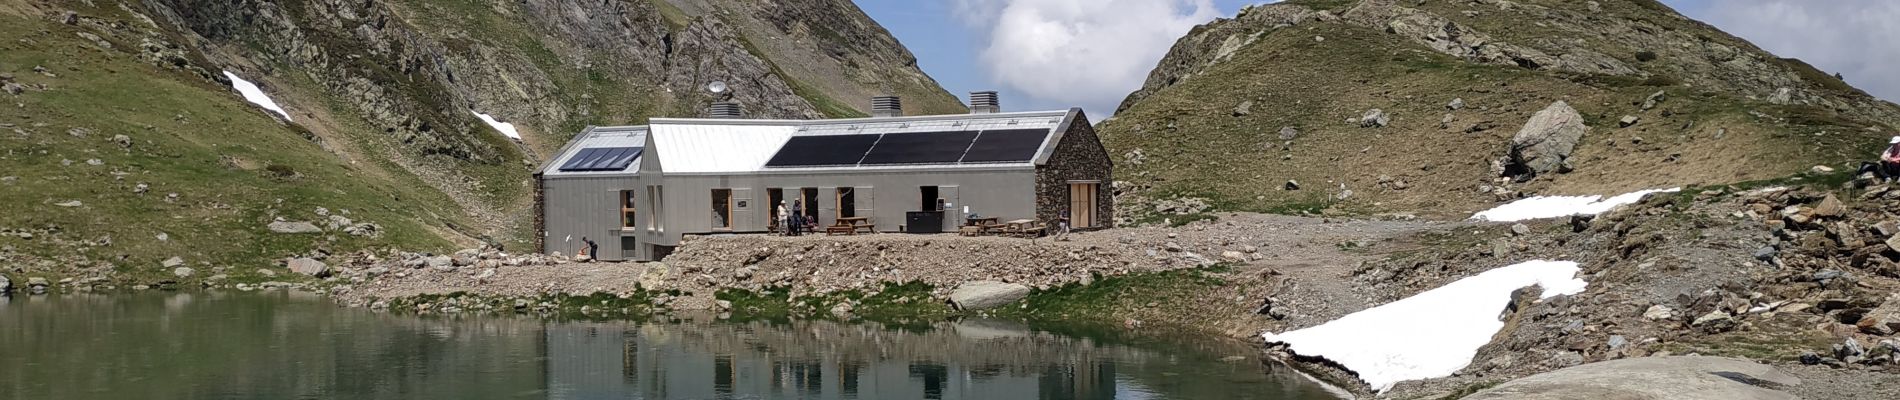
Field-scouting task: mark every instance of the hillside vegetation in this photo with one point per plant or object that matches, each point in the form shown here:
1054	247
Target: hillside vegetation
125	145
1241	106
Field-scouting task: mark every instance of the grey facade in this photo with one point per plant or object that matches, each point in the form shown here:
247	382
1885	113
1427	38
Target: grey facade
693	167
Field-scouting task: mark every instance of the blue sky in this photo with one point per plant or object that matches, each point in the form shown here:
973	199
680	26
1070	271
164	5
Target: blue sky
972	45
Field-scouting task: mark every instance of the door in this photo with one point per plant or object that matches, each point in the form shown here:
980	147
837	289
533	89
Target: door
743	215
1082	204
863	204
953	208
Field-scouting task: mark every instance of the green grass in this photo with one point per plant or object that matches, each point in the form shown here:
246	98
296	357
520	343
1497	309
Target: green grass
234	168
1103	300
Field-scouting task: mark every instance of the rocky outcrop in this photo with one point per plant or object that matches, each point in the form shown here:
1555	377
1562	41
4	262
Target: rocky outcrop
294	227
981	295
1681	377
308	266
1457	40
1546	141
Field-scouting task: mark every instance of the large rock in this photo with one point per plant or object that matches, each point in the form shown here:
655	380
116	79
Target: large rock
1546	141
986	294
294	227
6	285
1884	320
1678	378
308	266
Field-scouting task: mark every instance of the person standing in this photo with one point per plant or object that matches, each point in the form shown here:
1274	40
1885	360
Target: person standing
593	249
798	217
783	216
1062	225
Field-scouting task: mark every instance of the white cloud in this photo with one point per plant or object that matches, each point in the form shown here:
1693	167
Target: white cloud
1852	37
1089	53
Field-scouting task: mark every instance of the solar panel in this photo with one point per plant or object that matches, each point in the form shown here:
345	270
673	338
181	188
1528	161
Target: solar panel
602	159
805	151
1006	145
920	148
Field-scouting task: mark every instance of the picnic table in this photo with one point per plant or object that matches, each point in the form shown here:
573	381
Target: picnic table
851	226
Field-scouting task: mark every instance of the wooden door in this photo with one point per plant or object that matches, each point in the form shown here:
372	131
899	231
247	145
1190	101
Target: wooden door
1082	204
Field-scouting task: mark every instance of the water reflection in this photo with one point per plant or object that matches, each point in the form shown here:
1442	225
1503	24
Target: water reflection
212	345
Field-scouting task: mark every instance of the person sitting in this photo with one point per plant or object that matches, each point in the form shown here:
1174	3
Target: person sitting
1890	160
1888	168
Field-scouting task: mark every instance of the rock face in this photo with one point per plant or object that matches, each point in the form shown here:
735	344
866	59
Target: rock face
309	267
986	294
1546	141
1685	377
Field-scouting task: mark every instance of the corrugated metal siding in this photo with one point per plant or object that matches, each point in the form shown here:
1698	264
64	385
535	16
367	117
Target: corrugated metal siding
887	196
586	207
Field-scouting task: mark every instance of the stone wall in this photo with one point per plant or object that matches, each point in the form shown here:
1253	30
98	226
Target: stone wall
540	214
1078	157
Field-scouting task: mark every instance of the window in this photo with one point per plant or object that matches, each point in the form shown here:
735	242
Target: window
722	208
627	219
654	197
847	203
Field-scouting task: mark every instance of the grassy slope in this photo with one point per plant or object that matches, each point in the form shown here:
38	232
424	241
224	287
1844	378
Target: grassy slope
1195	146
233	167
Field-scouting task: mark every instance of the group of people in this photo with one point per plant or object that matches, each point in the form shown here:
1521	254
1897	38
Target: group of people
791	220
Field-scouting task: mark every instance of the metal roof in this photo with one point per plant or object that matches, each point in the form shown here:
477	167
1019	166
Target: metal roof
598	137
742	146
729	146
689	148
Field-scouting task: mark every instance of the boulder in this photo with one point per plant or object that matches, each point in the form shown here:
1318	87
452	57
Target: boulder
173	262
1455	104
308	266
439	262
1288	133
37	285
1628	121
1374	118
1659	312
1884	320
294	227
1245	107
1828	207
1677	377
182	272
980	295
1546	141
6	285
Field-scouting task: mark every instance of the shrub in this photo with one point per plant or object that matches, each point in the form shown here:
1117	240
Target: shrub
1661	80
280	171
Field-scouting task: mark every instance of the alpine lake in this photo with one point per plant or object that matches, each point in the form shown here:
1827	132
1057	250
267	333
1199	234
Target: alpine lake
293	345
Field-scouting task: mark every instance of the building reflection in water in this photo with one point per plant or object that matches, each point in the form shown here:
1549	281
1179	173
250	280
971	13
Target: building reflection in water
827	361
222	345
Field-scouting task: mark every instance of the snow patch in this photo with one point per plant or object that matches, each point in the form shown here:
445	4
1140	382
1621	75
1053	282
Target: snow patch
255	95
1561	206
506	129
1432	334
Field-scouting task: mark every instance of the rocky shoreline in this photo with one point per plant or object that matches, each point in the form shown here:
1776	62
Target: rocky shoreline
1791	277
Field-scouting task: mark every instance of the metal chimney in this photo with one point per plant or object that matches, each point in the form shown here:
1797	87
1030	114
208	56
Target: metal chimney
887	106
724	109
985	102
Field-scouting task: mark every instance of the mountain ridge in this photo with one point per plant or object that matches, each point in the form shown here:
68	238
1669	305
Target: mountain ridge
1708	108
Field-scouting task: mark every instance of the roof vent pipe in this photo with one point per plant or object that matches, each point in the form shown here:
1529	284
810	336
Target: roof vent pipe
886	106
724	109
985	102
